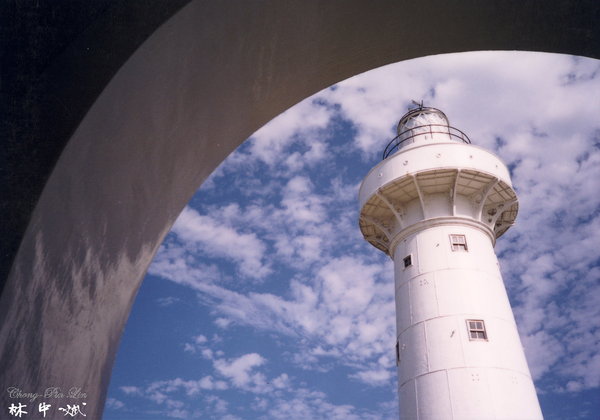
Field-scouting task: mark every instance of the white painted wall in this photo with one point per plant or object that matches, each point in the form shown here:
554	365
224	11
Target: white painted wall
457	378
442	373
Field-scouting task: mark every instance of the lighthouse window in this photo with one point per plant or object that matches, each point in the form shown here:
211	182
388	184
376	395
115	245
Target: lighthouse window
476	329
408	261
458	243
397	353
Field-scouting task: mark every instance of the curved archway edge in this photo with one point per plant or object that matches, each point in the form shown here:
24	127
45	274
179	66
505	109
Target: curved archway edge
132	149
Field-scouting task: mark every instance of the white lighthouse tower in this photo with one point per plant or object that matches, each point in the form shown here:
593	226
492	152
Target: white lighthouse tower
436	205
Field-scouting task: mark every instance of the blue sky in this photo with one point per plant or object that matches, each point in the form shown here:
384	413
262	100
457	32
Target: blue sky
264	301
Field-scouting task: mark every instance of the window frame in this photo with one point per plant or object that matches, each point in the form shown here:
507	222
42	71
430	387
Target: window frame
458	242
477	330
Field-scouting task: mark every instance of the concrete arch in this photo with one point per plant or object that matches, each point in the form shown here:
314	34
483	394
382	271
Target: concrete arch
130	150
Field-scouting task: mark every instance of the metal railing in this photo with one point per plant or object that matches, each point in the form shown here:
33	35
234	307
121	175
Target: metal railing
403	138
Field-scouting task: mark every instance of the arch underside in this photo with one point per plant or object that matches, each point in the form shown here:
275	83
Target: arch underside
116	142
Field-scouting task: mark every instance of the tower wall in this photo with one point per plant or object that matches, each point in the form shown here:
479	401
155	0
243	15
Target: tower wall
442	373
436	207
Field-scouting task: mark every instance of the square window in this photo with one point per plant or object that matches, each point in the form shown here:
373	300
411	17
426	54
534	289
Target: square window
476	328
408	261
458	243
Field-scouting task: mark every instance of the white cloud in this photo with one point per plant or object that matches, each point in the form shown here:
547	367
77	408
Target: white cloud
213	238
200	339
167	301
275	397
281	382
173	395
374	377
300	204
114	404
299	123
344	309
198	344
130	390
222	322
548	351
177	413
240	370
220	406
305	404
174	262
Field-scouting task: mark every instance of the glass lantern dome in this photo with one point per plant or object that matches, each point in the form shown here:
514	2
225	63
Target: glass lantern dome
423	124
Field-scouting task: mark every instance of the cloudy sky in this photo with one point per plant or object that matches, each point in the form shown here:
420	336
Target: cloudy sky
264	301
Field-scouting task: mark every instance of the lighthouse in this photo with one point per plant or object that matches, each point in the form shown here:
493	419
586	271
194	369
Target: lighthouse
436	205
